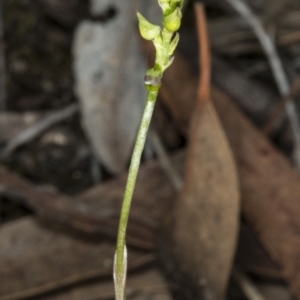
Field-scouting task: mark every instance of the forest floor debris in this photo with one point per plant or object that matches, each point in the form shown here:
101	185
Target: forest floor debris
58	227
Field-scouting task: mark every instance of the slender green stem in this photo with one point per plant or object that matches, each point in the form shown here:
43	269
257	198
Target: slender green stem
165	41
132	175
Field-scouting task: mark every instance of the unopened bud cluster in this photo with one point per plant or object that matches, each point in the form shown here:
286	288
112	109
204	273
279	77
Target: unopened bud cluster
171	14
164	39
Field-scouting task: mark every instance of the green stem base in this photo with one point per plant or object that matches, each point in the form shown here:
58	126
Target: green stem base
132	175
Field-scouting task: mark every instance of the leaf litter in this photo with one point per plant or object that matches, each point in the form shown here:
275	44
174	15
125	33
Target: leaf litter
47	248
201	231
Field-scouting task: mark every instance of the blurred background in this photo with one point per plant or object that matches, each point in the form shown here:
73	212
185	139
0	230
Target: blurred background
219	224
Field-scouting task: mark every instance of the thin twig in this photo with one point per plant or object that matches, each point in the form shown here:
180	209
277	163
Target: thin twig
276	66
247	286
95	170
279	109
204	84
165	161
172	174
35	130
2	61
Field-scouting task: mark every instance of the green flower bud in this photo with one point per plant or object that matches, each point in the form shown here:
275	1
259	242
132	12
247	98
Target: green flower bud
148	30
173	44
172	22
164	4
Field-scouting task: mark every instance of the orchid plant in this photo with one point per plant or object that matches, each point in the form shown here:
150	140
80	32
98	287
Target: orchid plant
165	40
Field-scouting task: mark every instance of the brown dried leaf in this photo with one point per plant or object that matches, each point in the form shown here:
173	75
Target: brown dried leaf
202	228
269	185
37	259
252	258
97	209
270	190
204	223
